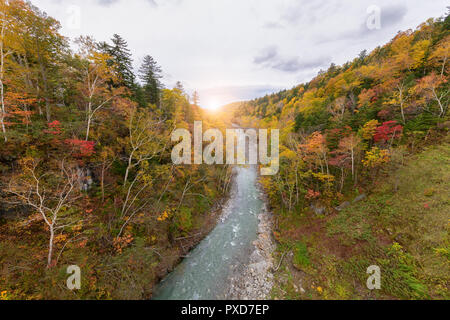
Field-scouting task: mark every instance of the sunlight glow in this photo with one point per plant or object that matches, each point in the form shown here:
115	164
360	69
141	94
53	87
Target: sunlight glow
213	105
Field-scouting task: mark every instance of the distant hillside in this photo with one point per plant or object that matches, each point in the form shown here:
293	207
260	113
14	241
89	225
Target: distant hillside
393	82
354	189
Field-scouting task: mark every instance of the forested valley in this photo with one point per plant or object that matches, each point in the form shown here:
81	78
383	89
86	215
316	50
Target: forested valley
87	179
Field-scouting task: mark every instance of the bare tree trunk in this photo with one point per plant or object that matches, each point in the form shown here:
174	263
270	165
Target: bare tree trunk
50	246
438	99
400	88
402	111
89	114
186	188
88	128
127	171
290	197
443	66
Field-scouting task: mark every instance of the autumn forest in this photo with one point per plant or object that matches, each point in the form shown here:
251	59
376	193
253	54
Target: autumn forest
87	178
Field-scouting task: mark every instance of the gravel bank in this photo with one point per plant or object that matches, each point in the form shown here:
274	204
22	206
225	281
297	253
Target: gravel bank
254	280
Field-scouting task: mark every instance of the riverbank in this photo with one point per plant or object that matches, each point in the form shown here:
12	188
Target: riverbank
326	257
126	272
183	246
238	251
254	281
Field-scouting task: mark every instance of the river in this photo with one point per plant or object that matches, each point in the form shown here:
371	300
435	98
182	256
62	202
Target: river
205	273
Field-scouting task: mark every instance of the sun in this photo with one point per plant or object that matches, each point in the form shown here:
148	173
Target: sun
213	105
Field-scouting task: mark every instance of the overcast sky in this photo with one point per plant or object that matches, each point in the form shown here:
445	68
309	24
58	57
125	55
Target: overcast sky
233	50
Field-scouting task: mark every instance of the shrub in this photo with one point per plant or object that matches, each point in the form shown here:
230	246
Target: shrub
183	220
301	255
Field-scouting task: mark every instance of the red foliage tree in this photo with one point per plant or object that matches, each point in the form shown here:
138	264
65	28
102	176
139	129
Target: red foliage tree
54	128
333	136
81	148
388	131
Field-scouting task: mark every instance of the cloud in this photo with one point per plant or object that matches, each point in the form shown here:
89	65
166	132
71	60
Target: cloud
153	3
228	94
273	43
296	64
273	25
107	2
270	58
390	17
307	11
266	55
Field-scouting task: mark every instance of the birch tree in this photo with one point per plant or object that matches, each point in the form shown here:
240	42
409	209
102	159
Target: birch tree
429	89
50	194
95	79
6	43
350	146
440	54
143	144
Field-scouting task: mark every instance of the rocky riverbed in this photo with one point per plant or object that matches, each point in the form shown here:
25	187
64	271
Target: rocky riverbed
234	259
254	281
